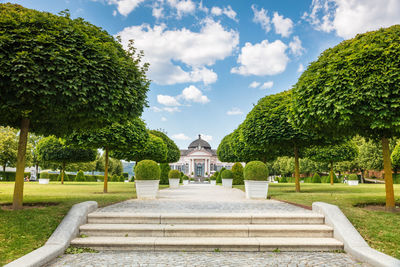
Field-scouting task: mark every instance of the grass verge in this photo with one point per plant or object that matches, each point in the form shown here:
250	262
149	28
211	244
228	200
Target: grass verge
24	230
379	228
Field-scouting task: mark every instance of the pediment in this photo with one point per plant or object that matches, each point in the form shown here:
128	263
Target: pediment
199	153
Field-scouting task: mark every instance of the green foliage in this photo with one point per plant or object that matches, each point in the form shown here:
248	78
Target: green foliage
64	73
365	73
353	177
80	177
396	156
333	153
165	168
283	179
185	177
219	178
256	170
8	146
10	176
147	170
173	152
227	174
316	178
237	172
174	174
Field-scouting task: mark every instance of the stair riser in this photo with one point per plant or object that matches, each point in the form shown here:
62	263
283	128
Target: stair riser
231	221
208	233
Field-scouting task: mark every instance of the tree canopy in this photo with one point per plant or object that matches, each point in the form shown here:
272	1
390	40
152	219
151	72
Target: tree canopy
8	146
173	152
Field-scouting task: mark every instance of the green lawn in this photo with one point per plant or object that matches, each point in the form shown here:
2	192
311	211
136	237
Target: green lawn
379	228
25	230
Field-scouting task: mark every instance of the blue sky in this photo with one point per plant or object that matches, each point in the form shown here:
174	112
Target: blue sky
211	61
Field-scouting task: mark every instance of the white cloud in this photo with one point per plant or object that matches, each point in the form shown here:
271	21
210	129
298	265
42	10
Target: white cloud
206	137
300	68
163	119
166	50
180	136
347	18
182	7
114	13
203	8
261	17
295	46
156	109
267	85
262	59
157	12
234	111
167	100
172	109
227	11
282	26
217	11
193	94
254	84
125	7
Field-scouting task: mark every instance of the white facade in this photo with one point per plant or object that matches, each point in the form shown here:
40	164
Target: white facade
199	160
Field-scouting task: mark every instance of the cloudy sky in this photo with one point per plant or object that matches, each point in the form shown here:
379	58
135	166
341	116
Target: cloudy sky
210	61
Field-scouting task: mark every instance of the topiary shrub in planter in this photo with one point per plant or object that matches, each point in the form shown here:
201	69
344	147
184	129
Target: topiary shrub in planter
219	179
185	180
227	178
80	177
316	178
353	179
165	168
237	171
213	179
174	178
256	180
147	179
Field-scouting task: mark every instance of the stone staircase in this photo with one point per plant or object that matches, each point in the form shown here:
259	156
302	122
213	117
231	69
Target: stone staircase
207	232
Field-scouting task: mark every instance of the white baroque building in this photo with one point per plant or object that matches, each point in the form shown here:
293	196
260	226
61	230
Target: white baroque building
199	160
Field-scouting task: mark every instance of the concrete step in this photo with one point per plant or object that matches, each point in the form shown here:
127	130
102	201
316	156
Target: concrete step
204	218
205	230
209	243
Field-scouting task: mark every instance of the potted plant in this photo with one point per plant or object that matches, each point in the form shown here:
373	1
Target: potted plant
147	179
44	178
173	178
256	179
353	179
213	179
185	180
227	178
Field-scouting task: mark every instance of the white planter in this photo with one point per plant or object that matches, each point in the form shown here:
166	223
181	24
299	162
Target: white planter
256	189
126	181
352	182
227	183
44	181
185	182
173	182
146	189
213	182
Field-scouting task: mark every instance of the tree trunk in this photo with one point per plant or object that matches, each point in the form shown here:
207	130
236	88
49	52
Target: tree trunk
37	170
387	166
331	173
4	168
19	175
62	172
296	168
106	172
362	176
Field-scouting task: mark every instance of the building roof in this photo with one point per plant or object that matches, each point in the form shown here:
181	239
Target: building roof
199	143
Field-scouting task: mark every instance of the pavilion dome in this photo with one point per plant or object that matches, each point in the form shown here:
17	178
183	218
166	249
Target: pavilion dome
199	143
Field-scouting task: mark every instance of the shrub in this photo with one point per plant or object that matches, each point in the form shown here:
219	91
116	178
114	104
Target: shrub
185	177
325	179
227	174
255	170
282	180
316	178
174	174
213	177
219	178
353	177
126	175
165	168
80	177
307	179
147	170
237	171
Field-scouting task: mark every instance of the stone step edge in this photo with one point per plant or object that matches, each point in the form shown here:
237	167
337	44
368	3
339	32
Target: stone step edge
208	244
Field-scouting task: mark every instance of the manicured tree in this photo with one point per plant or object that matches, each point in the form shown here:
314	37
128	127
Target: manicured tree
332	154
63	74
8	147
173	152
237	172
131	135
225	152
354	88
267	125
52	149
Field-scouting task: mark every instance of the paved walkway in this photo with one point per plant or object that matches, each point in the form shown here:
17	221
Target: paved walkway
199	198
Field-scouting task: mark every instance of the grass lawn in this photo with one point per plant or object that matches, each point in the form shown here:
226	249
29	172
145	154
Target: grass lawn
379	228
25	230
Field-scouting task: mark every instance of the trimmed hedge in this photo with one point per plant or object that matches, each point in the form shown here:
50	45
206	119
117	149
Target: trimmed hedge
316	178
227	174
10	176
237	171
147	170
174	174
256	170
80	177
